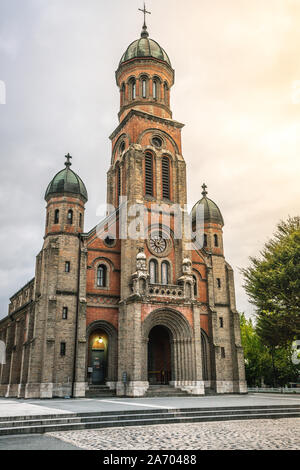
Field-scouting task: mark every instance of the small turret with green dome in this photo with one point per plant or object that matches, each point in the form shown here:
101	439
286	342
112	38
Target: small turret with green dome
66	181
66	196
212	213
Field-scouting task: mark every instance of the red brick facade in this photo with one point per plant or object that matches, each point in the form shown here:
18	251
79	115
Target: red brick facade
108	290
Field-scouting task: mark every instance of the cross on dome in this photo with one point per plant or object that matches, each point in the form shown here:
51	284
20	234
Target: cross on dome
145	33
68	163
204	192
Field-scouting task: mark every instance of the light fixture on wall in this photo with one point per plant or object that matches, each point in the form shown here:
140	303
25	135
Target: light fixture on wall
100	340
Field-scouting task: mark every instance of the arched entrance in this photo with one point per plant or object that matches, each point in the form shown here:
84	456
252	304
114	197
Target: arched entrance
97	357
159	356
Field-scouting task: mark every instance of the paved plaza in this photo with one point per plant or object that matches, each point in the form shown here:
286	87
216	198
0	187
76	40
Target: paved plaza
255	434
264	434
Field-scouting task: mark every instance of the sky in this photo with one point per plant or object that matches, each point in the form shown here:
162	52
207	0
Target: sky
237	89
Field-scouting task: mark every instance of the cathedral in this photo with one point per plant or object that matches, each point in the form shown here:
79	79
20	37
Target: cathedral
128	307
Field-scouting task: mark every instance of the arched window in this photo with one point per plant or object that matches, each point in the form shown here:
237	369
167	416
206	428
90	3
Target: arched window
56	216
216	240
144	87
149	174
154	90
70	217
133	88
153	271
101	275
195	286
80	220
165	273
205	240
165	177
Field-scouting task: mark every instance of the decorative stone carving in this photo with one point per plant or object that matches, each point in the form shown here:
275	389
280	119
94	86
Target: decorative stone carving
186	280
140	277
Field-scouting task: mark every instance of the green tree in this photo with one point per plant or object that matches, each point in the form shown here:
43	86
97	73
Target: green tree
257	359
272	281
273	364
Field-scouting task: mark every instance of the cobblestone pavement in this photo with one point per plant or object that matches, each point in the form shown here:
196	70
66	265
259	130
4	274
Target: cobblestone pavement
263	434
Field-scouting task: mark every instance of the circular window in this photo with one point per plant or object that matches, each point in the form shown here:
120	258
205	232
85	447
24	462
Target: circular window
157	142
109	241
159	244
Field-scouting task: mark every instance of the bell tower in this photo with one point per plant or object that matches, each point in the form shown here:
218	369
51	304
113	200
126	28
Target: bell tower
148	171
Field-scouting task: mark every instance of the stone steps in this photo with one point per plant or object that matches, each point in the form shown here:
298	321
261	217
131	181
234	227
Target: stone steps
210	392
76	421
99	391
165	391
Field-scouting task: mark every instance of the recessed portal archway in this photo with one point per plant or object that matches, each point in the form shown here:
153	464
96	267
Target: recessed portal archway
159	356
181	346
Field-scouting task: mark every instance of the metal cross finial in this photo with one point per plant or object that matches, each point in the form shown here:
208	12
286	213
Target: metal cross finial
145	12
204	192
68	157
145	33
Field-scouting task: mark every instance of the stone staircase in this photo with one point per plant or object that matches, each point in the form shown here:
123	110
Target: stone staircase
210	392
75	421
165	391
99	391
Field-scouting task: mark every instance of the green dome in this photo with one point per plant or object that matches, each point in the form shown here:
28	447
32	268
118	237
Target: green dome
66	181
145	47
211	211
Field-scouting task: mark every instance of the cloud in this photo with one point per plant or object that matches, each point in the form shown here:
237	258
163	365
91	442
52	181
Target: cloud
235	63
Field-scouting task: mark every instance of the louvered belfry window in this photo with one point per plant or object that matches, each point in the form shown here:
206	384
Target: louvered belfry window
148	174
165	178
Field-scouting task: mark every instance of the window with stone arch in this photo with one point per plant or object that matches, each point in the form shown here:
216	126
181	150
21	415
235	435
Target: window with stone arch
70	217
216	240
132	85
165	172
153	271
102	277
149	175
155	89
144	86
195	285
56	216
165	273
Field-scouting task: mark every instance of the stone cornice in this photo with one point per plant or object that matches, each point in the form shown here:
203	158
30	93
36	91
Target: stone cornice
138	102
150	117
